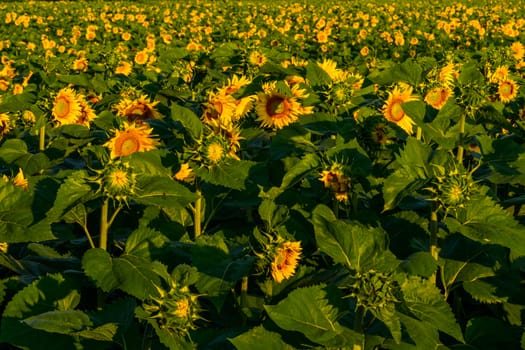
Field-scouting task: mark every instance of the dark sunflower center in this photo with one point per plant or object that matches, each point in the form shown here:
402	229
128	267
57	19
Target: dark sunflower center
277	107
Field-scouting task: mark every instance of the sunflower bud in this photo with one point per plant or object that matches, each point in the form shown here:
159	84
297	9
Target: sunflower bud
119	181
373	289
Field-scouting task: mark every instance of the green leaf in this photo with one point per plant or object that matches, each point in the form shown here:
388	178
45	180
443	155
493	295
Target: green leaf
70	193
484	292
296	173
143	241
293	139
162	191
318	321
258	338
106	332
416	110
352	244
426	303
397	186
483	220
420	263
273	214
415	158
98	265
79	79
188	119
63	322
231	174
136	276
489	333
12	150
316	75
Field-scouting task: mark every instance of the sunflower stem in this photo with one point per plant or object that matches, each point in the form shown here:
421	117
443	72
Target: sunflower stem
434	249
103	243
336	208
197	212
359	318
42	138
419	133
90	240
462	121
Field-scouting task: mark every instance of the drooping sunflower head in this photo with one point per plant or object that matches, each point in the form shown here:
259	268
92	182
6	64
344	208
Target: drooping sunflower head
285	260
393	110
447	74
219	110
438	96
330	67
335	179
138	109
507	90
20	180
133	138
124	68
518	50
185	173
87	114
66	108
5	126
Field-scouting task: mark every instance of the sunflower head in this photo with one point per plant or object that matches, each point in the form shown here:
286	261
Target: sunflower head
334	179
118	181
279	257
138	109
215	149
5	126
393	110
507	90
438	96
373	290
174	310
66	108
133	138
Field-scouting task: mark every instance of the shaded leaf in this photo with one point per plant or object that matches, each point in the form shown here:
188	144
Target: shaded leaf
258	338
98	265
63	322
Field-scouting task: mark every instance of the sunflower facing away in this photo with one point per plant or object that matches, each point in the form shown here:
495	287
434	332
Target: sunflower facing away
4	124
438	96
285	260
137	110
134	138
393	111
277	110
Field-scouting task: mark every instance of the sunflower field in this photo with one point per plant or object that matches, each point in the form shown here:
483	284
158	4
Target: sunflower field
251	175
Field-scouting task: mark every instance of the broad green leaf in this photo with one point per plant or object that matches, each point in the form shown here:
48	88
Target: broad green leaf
305	166
390	318
483	220
486	292
143	241
39	297
424	334
419	263
70	193
416	110
316	75
106	332
16	103
415	158
162	191
426	303
231	174
63	322
490	333
352	244
258	338
12	150
136	277
309	311
397	186
98	265
188	119
78	80
272	213
292	140
148	163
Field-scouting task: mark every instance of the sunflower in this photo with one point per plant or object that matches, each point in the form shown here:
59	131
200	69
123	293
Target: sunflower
276	109
438	96
130	140
141	57
125	68
185	173
501	73
138	109
285	260
220	110
330	67
257	58
20	181
335	180
87	115
518	50
393	110
4	124
507	90
447	74
80	64
66	108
